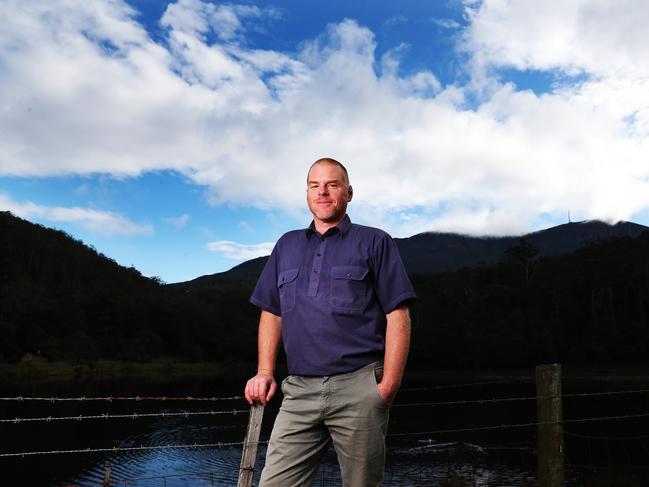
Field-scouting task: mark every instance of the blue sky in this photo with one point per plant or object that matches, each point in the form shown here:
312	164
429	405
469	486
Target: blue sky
175	136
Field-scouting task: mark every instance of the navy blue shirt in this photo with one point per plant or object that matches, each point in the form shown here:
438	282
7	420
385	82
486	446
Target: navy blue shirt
333	292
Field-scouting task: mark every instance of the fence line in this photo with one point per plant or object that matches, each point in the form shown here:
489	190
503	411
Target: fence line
234	398
412	435
393	435
127	448
119	398
519	425
606	438
470	401
605	393
80	417
468	384
606	418
48	419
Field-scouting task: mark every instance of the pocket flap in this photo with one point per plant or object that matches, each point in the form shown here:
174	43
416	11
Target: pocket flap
353	272
287	276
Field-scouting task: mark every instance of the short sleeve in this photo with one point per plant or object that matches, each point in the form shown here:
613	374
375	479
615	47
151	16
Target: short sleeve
392	285
266	293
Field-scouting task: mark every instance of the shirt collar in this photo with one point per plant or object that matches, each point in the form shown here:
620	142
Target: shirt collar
343	227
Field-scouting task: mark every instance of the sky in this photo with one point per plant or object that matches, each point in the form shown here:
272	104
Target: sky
175	136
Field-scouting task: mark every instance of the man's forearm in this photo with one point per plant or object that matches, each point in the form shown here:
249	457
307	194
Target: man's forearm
270	332
397	344
261	388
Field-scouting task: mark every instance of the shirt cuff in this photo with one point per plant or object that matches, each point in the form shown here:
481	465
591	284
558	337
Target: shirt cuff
394	304
265	306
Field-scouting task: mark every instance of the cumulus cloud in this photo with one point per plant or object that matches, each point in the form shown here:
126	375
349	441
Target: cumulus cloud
104	223
179	222
85	89
595	37
240	252
446	23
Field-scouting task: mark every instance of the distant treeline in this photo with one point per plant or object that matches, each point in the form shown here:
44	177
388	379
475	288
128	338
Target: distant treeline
588	307
63	300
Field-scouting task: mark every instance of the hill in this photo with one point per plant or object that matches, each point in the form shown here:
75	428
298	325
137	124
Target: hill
61	299
480	303
431	252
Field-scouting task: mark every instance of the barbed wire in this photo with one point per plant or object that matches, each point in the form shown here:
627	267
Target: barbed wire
119	398
471	401
521	398
605	418
130	448
605	393
234	398
468	384
519	425
464	430
606	438
81	417
240	443
237	411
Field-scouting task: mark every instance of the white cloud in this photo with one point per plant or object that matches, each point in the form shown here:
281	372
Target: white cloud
446	23
240	252
104	223
595	37
178	222
86	90
397	20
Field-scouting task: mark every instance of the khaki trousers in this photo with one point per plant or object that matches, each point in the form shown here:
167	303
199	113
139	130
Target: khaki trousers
346	410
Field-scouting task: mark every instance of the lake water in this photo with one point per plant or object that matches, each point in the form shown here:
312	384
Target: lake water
421	450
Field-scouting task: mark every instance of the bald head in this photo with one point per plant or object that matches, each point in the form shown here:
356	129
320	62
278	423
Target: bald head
332	162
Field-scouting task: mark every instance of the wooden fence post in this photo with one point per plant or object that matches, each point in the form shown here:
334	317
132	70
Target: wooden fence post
249	454
550	431
107	469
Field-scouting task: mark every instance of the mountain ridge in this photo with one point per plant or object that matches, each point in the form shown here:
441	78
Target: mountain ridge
432	252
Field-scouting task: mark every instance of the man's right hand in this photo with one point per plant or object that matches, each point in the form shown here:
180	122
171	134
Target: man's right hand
261	388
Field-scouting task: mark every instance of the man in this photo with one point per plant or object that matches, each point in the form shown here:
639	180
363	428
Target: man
337	295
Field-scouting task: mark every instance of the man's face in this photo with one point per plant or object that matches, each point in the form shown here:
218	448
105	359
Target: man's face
327	193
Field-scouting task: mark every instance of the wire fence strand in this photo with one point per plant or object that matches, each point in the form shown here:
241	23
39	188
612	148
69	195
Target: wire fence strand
128	448
119	398
519	425
468	384
186	414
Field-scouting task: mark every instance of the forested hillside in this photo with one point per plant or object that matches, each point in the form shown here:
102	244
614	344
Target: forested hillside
62	300
589	307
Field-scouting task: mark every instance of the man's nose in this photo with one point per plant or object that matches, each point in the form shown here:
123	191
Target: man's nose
323	189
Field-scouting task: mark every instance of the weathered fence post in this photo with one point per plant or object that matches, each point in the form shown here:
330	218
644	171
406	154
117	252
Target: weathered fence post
107	469
550	432
249	454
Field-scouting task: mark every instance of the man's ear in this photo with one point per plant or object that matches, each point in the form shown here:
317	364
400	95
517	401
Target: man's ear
350	193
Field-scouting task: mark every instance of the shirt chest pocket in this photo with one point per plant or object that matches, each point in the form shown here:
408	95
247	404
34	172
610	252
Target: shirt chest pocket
349	288
287	284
